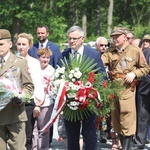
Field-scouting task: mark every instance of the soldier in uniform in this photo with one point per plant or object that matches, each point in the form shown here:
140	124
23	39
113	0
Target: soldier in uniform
126	63
13	115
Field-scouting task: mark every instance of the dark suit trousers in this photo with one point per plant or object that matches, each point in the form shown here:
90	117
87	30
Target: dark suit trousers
29	124
88	131
143	119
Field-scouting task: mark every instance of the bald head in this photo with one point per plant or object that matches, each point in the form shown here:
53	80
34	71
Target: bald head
136	42
101	44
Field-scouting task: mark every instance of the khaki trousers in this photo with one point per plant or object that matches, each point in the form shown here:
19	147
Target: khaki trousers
13	135
124	114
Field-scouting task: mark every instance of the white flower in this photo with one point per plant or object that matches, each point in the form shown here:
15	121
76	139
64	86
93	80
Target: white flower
70	75
70	84
73	80
74	87
73	105
63	76
57	82
71	95
62	70
56	74
77	74
72	71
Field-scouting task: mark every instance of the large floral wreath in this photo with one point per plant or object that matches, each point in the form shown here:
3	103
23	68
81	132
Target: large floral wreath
86	90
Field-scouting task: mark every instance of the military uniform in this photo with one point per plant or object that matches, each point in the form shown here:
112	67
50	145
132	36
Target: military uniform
124	114
125	63
13	116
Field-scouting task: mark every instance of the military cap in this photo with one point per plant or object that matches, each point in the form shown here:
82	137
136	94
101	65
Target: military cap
4	34
146	37
119	31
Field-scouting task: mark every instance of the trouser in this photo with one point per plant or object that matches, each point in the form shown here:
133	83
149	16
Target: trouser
13	135
143	118
41	139
88	132
30	123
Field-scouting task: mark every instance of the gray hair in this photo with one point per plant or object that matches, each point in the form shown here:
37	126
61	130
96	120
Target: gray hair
75	28
101	38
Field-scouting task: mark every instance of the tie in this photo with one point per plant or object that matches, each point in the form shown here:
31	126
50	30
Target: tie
2	63
41	45
75	54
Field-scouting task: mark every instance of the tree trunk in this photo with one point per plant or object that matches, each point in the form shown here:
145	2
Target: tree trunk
84	22
98	28
110	16
74	10
16	26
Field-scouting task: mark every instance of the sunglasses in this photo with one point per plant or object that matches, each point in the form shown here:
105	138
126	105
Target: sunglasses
103	45
129	38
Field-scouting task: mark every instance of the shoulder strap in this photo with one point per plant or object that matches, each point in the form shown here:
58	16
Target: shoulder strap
118	60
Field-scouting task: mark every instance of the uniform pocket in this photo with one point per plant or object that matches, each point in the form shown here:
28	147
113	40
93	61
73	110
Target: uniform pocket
127	101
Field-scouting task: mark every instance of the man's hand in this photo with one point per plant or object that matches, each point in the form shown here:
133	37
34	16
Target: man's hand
36	111
17	100
130	77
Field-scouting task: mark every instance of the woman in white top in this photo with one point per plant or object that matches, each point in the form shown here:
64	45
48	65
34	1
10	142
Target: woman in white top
24	43
40	139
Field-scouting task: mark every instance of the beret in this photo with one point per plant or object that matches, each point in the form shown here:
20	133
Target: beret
4	34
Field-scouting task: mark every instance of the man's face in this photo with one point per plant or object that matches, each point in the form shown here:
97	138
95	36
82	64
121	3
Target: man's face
119	40
146	44
75	40
130	37
101	45
5	46
42	34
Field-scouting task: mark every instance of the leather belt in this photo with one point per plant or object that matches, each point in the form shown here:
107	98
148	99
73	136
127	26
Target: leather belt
118	75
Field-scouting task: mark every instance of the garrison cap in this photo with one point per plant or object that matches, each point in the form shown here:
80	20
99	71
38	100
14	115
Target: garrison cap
4	34
146	37
119	31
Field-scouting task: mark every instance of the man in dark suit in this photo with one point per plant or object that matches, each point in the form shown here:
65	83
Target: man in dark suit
42	35
13	115
143	105
75	40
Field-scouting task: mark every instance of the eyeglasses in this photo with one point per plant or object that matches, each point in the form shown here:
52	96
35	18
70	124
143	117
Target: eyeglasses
147	41
103	45
129	38
74	39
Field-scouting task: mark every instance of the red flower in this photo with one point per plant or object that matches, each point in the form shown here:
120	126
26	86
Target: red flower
99	105
111	96
91	77
85	104
95	94
105	84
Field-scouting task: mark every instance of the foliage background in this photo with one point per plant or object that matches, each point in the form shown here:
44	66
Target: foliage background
25	15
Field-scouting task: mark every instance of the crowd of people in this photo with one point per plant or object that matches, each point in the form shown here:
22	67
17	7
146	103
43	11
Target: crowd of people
124	58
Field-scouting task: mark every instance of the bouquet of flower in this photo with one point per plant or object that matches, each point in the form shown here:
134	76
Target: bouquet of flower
85	89
9	90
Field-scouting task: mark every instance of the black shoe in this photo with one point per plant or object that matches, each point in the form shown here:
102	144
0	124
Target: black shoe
126	142
103	137
102	140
